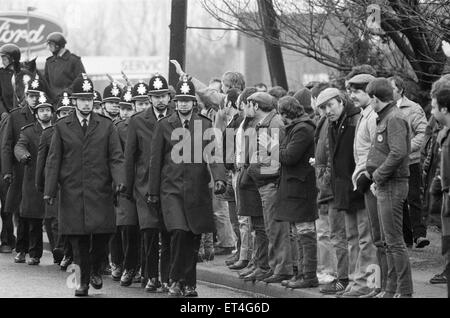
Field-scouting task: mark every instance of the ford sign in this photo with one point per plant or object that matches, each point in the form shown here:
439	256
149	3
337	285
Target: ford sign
14	29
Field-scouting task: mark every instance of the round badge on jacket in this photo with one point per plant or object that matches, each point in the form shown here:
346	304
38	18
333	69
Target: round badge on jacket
380	138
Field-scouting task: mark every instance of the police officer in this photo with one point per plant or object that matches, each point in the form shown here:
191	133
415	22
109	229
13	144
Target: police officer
85	160
125	245
60	246
137	155
111	99
12	171
98	103
62	68
32	208
179	185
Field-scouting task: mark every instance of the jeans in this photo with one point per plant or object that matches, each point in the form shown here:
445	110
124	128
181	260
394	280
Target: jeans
391	197
225	234
338	239
377	238
306	249
362	251
326	256
279	250
245	233
413	223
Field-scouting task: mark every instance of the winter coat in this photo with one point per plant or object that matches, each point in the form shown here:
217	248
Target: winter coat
182	186
389	154
51	211
340	137
85	167
61	71
297	192
138	149
126	212
32	204
417	122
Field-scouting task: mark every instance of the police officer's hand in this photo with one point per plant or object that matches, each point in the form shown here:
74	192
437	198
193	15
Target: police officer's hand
220	187
121	188
7	178
26	159
49	200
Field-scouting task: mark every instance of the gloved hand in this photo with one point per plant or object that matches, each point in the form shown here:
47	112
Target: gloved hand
25	160
152	199
120	188
7	178
363	183
49	200
220	187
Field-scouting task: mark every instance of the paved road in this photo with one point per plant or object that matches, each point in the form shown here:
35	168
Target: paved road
47	280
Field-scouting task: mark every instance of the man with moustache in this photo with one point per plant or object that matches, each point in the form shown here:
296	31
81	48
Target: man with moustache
84	161
137	155
32	208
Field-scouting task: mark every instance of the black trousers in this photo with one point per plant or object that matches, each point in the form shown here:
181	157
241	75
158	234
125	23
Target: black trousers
51	228
156	263
67	246
88	253
413	223
125	247
29	237
7	233
184	249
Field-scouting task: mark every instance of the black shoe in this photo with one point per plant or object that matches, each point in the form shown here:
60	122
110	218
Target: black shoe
238	265
34	261
6	249
247	271
176	289
58	255
223	250
127	277
439	279
144	281
116	272
165	288
82	291
152	285
190	291
137	277
337	286
304	283
421	242
66	261
96	281
20	258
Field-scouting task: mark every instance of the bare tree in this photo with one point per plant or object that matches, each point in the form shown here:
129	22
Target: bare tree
336	32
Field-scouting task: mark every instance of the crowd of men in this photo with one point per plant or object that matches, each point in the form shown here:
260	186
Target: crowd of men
317	187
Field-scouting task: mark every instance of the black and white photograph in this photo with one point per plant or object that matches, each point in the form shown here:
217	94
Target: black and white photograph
220	154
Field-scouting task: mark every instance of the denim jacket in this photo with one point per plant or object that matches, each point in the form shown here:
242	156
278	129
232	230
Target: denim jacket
389	154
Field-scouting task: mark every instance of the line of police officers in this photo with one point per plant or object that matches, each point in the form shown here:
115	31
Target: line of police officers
103	179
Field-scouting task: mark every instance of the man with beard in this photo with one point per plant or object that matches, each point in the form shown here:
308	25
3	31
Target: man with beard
85	160
62	68
137	155
179	185
111	99
32	208
11	169
60	246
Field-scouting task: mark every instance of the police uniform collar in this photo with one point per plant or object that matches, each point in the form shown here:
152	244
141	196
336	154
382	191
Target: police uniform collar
157	113
81	118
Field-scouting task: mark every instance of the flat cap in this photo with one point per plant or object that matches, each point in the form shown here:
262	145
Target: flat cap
262	98
361	79
326	95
